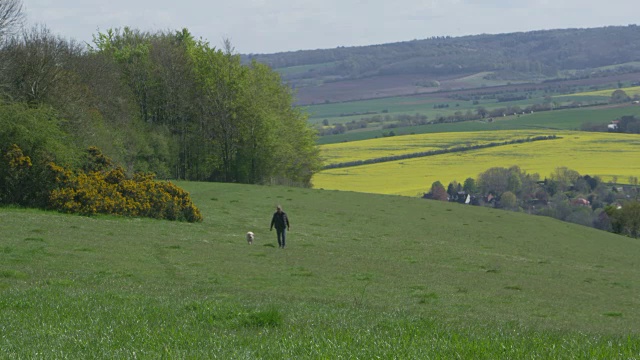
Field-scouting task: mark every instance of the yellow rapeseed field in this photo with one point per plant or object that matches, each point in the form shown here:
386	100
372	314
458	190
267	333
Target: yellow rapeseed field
631	91
407	144
606	155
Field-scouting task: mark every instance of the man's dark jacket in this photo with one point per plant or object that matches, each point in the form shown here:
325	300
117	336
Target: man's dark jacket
280	220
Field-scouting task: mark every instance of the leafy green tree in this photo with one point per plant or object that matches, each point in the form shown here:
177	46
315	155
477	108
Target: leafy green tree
631	218
470	186
451	189
508	200
564	177
619	96
494	180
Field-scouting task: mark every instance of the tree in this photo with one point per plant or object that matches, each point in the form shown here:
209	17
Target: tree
508	200
452	189
470	186
11	17
438	191
564	177
35	65
631	218
619	96
494	180
482	111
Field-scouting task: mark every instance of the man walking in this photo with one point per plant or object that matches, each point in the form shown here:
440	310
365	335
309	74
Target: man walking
281	222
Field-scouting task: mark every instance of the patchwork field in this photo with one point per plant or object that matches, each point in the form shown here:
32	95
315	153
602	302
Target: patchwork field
400	145
610	156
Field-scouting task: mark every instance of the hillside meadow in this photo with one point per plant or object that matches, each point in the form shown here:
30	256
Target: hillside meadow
607	155
363	276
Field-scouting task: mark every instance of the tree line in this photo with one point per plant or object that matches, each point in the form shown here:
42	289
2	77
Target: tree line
162	102
565	195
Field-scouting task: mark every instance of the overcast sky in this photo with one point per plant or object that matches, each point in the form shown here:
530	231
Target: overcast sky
269	26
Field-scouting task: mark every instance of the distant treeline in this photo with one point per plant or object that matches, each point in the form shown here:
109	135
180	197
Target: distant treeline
507	56
625	124
565	195
437	152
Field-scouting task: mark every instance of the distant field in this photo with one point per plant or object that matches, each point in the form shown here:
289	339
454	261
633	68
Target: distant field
478	80
295	70
424	102
631	91
568	119
400	104
596	154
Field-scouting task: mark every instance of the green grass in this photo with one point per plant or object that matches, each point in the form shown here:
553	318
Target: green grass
301	69
364	276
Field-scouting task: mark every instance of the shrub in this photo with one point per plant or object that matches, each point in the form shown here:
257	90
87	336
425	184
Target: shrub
105	189
99	187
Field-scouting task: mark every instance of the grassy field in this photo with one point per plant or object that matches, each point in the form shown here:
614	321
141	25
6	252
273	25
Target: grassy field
296	70
364	276
603	154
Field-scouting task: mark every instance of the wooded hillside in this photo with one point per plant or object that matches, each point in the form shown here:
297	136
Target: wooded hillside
510	56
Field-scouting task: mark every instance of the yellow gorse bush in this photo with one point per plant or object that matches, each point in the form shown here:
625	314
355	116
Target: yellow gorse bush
109	191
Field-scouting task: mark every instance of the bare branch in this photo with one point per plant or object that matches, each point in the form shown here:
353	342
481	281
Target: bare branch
11	16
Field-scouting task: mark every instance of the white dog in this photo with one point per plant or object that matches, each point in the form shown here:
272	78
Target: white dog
250	237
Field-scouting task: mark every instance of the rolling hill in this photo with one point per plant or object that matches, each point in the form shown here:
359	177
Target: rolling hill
363	276
426	65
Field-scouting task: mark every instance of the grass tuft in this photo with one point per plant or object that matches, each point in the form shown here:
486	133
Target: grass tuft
13	274
35	239
270	317
613	314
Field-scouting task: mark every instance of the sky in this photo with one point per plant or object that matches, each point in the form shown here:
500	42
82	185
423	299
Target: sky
271	26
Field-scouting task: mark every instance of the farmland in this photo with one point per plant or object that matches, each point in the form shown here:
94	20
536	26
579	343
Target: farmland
631	91
399	145
597	154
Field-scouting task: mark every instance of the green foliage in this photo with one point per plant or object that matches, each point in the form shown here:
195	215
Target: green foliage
496	180
625	219
508	200
220	120
470	186
30	138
